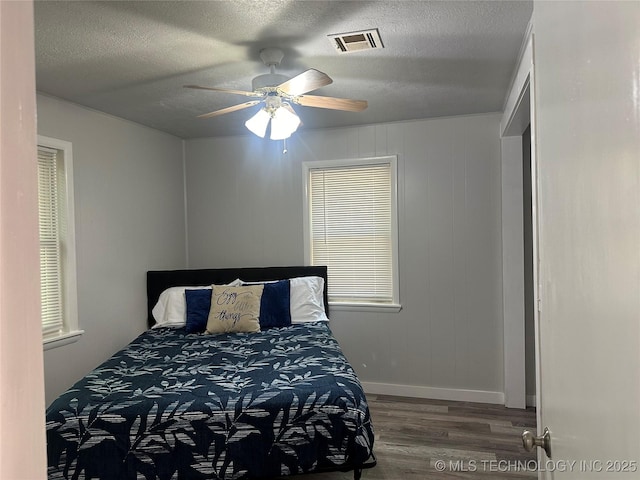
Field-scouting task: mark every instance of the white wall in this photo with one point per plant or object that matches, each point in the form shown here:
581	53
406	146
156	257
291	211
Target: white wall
129	207
245	209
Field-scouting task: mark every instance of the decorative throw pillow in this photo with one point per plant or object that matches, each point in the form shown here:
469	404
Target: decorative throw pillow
235	309
275	308
198	306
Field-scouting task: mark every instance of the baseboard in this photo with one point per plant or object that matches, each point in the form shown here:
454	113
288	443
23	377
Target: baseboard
455	394
531	401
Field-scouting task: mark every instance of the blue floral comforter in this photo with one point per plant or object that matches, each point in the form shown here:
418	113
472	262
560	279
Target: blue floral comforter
173	405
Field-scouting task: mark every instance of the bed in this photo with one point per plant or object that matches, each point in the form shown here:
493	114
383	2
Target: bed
179	405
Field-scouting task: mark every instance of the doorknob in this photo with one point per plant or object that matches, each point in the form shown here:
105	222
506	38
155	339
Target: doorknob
529	441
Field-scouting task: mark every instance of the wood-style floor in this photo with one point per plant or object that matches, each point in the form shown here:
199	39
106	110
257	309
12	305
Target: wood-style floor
418	439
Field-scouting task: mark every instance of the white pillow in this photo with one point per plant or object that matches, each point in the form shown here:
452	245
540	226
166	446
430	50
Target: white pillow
171	308
307	301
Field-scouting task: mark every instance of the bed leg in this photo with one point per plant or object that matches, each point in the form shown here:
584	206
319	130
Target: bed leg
357	473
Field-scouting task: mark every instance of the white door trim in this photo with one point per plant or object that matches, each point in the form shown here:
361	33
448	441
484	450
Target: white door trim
515	120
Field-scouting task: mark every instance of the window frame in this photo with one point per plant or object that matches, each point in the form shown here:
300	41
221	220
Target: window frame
392	161
70	332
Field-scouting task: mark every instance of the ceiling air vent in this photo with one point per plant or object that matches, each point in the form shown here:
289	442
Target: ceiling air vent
355	41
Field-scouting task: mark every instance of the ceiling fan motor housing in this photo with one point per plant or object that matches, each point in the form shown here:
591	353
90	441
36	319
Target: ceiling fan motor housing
267	80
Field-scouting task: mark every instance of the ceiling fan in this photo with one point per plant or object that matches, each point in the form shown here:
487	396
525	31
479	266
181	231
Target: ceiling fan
278	92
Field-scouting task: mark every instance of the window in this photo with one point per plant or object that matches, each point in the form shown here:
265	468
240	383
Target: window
57	243
351	227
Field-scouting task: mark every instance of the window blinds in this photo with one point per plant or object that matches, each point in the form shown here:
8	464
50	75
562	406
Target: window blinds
50	235
351	230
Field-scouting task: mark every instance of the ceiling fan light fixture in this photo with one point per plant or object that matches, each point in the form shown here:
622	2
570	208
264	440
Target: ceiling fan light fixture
258	123
283	123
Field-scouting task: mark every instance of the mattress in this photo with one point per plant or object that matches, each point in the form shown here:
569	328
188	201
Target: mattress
173	405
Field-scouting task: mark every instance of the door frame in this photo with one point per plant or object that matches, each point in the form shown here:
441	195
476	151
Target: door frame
519	113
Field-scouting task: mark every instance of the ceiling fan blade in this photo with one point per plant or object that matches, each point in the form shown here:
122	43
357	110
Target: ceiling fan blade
307	81
332	103
226	90
230	109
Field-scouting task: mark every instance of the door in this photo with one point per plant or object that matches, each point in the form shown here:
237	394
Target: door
587	147
23	452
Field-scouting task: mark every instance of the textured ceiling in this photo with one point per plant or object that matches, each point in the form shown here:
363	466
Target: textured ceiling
131	59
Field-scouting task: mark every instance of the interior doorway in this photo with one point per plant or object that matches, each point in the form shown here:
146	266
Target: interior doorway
529	302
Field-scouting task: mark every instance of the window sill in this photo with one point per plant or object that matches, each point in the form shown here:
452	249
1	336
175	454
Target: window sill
62	339
364	307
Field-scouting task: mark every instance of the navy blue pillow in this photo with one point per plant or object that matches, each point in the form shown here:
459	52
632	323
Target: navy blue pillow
198	306
275	310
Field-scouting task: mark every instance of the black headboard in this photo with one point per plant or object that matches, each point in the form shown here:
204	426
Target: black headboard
159	281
